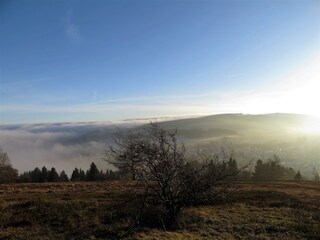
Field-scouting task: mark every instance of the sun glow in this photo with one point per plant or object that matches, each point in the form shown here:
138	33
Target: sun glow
312	126
304	99
297	92
301	90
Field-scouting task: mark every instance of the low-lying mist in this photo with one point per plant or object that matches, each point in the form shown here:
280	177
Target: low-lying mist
63	146
69	145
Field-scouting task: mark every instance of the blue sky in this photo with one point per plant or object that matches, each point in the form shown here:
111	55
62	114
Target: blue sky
111	60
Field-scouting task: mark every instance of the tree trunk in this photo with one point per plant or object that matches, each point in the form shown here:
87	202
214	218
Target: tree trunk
172	214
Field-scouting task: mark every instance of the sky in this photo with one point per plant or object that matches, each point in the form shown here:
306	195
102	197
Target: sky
71	61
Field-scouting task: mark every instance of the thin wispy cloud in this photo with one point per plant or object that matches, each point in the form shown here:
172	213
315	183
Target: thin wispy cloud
72	32
71	28
297	92
255	102
210	103
152	99
23	82
235	75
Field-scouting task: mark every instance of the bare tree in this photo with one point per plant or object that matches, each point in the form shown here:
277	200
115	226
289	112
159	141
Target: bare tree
4	159
126	154
158	161
7	173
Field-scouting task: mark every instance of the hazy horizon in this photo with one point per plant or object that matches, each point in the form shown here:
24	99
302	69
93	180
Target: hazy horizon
293	137
143	120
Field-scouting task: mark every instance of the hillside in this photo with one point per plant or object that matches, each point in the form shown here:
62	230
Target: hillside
266	126
255	136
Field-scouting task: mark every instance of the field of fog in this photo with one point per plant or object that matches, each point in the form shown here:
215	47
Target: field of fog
63	145
69	145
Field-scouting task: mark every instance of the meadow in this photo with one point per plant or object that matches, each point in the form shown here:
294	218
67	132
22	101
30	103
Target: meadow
101	210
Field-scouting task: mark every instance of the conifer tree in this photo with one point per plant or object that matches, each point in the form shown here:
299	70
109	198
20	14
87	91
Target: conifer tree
63	177
36	175
75	175
25	177
53	175
93	173
44	174
233	168
82	175
315	175
298	176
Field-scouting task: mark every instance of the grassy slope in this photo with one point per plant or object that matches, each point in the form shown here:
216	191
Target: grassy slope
285	210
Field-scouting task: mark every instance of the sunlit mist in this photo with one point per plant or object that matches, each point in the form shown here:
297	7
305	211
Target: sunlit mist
311	126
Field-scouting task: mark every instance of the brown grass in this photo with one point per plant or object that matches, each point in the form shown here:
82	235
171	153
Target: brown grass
86	210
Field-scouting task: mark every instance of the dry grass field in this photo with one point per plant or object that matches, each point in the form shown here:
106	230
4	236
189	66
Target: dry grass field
284	210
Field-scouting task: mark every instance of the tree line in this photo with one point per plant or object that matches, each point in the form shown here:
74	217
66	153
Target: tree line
45	175
273	170
8	174
268	170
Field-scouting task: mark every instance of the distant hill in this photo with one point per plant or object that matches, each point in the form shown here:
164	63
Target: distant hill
254	136
264	126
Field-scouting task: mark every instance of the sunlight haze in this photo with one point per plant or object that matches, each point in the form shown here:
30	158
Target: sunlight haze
112	60
160	119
